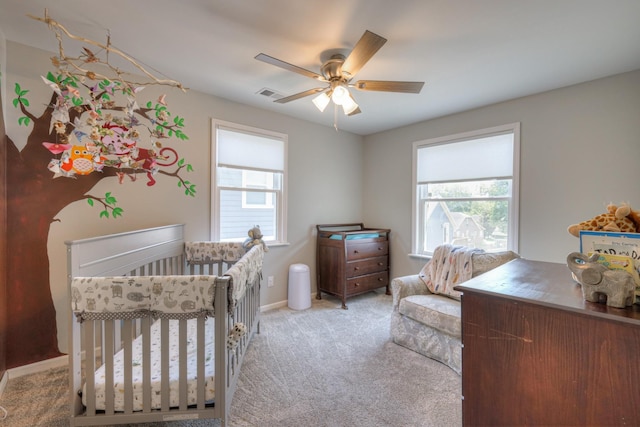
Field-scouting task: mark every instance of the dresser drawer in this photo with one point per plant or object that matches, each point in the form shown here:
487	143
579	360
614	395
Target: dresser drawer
366	266
367	283
367	250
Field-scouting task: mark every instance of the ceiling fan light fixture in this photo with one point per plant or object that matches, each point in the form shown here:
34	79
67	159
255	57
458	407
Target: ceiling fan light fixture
321	101
349	105
340	95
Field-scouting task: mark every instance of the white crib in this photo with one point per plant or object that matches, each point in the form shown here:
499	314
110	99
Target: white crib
130	293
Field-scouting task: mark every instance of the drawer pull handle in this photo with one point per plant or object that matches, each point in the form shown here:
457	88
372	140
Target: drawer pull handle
380	248
356	268
381	263
380	279
355	251
355	285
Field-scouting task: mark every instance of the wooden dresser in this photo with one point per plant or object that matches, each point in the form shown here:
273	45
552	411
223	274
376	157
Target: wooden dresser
351	259
536	353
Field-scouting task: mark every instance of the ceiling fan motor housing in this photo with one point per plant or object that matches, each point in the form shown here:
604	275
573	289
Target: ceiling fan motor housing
332	69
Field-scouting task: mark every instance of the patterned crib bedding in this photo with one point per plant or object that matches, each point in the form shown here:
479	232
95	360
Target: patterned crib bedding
164	297
246	268
174	376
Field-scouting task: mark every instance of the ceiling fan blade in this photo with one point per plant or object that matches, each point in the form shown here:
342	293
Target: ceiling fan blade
290	67
389	86
301	95
366	47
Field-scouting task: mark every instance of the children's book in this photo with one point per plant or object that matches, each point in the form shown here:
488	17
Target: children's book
619	251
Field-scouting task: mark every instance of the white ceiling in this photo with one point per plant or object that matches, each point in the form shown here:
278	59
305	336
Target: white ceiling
470	53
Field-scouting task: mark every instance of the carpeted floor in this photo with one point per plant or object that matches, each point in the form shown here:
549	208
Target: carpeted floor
319	367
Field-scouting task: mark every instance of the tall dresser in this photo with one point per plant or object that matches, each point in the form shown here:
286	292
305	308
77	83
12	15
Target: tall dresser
536	353
351	259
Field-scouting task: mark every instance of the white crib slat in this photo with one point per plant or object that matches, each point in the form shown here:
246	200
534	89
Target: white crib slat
146	364
183	364
128	365
200	350
90	363
164	364
108	372
221	331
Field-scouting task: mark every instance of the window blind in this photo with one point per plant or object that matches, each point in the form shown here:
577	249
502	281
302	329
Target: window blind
479	158
248	151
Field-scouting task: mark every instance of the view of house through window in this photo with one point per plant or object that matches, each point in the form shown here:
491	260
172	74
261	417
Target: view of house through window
248	182
465	190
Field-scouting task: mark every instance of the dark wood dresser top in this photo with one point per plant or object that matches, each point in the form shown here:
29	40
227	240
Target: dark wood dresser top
544	283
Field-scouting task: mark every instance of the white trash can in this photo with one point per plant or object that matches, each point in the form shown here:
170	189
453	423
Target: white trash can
299	287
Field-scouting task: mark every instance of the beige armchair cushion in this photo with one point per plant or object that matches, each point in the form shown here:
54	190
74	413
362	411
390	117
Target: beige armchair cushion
437	311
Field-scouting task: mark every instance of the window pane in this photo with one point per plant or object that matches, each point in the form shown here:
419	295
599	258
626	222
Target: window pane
471	189
482	224
242	178
473	214
236	219
256	198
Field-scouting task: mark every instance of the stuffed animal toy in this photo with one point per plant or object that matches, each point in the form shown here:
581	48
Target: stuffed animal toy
616	219
598	281
255	238
239	330
635	217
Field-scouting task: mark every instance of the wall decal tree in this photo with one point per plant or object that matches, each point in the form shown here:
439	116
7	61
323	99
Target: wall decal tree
91	129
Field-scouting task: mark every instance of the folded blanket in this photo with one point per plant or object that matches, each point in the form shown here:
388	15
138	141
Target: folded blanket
245	272
449	266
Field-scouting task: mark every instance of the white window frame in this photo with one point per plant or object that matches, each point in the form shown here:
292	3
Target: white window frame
281	207
416	217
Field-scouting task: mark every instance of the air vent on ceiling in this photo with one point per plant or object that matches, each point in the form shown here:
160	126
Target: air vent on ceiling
270	93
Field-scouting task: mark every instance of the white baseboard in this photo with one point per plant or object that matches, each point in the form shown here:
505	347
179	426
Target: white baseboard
43	365
273	306
280	304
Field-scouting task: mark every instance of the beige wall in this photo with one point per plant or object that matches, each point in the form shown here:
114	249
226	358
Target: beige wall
325	180
580	149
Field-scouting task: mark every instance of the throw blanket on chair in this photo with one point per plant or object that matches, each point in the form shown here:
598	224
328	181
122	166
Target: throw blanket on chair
449	266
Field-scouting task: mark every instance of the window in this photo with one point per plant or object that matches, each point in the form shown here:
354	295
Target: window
465	190
248	182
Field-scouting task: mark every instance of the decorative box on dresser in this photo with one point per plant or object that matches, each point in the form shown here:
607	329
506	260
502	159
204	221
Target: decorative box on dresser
351	259
536	353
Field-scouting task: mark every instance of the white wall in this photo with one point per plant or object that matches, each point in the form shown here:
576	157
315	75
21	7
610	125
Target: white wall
580	149
325	180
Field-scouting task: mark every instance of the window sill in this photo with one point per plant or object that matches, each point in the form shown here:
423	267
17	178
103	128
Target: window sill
421	256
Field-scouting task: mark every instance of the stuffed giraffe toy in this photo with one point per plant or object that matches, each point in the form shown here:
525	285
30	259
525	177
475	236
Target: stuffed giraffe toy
620	219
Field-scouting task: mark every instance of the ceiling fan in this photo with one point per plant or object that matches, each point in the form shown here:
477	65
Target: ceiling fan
338	71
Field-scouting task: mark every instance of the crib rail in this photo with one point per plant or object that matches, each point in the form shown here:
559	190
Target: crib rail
95	342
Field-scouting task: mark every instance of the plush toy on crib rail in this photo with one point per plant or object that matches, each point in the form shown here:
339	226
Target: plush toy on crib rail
254	239
620	219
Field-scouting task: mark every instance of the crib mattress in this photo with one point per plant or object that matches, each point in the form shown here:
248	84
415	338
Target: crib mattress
174	398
